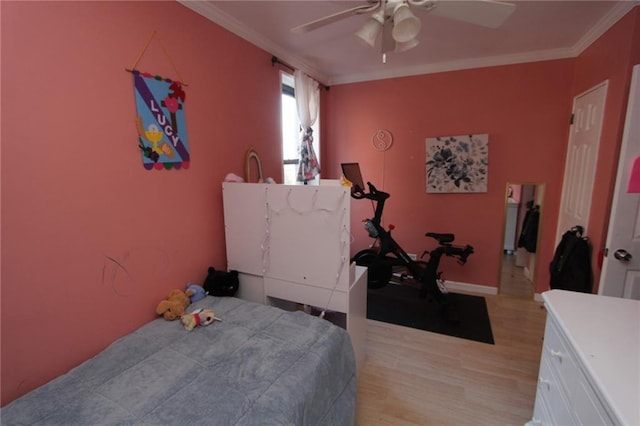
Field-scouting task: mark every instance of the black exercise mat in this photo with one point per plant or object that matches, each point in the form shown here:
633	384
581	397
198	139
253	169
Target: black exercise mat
398	304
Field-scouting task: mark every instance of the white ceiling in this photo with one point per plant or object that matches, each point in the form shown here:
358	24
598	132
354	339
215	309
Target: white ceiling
537	30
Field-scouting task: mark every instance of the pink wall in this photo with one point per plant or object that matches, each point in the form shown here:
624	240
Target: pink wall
74	192
611	58
525	109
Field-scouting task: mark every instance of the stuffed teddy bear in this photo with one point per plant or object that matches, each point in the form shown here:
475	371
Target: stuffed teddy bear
198	292
174	305
199	317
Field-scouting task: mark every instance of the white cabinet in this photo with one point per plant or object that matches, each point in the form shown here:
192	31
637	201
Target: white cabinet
589	369
292	242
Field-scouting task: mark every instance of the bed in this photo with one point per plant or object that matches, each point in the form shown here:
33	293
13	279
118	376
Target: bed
259	365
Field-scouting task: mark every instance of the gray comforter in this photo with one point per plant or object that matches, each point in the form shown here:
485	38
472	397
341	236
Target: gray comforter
259	366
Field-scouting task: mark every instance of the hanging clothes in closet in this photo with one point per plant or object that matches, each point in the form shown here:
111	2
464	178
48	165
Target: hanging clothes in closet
529	236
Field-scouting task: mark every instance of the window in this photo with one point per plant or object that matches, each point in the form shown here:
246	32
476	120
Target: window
291	132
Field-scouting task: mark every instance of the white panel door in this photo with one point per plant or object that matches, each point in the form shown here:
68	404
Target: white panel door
620	275
582	154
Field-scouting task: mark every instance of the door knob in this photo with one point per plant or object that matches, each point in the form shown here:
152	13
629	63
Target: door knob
622	254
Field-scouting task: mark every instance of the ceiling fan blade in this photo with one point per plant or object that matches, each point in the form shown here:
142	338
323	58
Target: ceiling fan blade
330	19
486	13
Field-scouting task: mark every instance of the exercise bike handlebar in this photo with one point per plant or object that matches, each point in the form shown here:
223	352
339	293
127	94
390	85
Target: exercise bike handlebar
358	193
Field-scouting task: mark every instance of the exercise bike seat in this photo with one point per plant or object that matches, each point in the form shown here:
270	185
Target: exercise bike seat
442	238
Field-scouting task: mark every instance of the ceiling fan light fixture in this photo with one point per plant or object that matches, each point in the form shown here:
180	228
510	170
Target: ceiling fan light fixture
370	31
406	25
403	46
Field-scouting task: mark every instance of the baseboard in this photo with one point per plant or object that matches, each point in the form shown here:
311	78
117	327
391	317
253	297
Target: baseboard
471	288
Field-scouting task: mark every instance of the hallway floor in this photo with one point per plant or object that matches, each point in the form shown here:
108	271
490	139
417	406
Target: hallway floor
513	281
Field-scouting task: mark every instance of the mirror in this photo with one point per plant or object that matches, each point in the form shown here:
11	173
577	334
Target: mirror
523	207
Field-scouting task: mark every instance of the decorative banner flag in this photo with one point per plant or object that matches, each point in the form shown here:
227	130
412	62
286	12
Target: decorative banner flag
162	131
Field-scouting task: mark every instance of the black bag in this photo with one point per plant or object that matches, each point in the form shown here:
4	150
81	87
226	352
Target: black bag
221	283
570	268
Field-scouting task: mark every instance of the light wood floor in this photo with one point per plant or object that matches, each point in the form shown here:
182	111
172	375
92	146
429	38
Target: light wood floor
512	280
414	377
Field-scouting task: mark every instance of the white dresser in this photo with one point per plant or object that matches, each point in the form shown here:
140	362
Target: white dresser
589	370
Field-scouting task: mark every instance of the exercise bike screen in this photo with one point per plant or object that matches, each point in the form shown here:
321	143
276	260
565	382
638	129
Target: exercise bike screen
351	171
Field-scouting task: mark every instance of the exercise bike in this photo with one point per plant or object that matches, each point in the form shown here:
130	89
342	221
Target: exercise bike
386	255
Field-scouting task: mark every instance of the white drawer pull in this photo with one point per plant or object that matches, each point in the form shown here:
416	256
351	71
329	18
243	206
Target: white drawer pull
544	382
557	354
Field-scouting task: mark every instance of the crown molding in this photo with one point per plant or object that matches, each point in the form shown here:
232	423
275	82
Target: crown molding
608	21
616	13
231	24
465	64
226	21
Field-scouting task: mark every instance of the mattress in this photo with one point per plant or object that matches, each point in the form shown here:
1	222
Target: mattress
260	365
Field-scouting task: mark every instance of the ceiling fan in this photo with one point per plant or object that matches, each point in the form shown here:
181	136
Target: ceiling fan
400	27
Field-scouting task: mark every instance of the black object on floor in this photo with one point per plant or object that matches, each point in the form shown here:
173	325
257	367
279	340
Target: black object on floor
398	304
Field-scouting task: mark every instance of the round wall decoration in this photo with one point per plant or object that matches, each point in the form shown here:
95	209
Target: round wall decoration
382	140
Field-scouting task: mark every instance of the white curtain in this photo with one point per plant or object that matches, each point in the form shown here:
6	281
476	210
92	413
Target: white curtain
308	103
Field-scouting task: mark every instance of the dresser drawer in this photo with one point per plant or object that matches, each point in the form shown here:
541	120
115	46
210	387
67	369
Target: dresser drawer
560	356
551	398
587	407
541	414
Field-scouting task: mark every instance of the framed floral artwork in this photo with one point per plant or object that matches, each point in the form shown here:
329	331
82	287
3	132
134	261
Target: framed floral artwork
457	163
